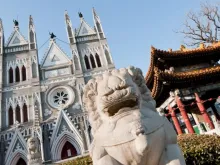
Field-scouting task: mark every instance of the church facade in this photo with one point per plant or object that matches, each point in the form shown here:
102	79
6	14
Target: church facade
44	99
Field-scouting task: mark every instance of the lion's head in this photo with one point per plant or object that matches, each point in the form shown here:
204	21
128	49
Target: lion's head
113	93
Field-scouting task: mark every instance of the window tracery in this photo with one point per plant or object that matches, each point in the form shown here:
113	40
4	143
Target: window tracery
87	62
25	113
98	60
17	74
10	116
11	80
23	73
18	114
92	61
60	97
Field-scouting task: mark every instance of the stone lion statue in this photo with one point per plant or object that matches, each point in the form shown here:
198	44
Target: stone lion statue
126	128
34	155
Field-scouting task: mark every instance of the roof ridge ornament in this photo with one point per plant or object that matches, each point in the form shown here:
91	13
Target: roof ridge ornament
80	15
52	36
16	24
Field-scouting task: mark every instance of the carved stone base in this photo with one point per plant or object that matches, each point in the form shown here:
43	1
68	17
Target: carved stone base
35	162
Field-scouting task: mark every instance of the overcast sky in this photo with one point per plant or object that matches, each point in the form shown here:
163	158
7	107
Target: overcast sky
131	26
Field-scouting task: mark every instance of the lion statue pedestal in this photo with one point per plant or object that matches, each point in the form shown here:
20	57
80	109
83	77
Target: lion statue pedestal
34	155
126	127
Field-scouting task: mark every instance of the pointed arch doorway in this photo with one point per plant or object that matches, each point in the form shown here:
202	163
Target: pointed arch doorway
21	162
68	151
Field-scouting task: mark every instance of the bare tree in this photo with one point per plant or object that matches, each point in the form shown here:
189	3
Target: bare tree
203	26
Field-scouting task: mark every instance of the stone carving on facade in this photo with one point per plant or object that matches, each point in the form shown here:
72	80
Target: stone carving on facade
47	112
34	154
126	127
76	106
72	83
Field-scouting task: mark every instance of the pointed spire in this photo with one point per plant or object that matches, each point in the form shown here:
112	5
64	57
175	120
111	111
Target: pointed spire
1	26
32	34
95	15
98	25
31	22
67	18
1	36
69	29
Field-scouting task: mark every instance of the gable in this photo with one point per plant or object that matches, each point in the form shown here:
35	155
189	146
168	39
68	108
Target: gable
54	56
63	127
64	124
85	29
17	143
16	39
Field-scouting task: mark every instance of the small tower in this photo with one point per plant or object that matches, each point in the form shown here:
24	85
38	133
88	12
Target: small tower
98	25
77	68
70	32
32	34
1	63
1	37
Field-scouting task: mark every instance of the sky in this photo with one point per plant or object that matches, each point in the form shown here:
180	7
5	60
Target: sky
131	26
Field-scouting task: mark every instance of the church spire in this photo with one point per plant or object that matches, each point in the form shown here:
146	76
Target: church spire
1	37
69	28
32	34
97	23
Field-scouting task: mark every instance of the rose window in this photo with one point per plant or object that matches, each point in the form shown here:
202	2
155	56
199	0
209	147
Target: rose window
61	97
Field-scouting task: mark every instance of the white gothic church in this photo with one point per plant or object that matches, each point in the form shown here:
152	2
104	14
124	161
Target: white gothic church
44	100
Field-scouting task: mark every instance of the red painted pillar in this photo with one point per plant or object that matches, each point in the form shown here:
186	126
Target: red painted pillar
175	120
184	115
203	112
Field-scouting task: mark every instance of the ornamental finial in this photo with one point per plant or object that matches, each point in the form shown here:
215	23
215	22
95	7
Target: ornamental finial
52	36
80	15
15	22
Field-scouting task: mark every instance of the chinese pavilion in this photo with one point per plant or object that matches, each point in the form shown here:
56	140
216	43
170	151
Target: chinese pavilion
186	87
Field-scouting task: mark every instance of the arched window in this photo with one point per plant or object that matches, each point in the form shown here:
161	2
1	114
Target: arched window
76	62
18	114
34	70
10	115
92	61
98	60
25	113
17	74
87	62
11	75
23	73
68	151
21	162
108	57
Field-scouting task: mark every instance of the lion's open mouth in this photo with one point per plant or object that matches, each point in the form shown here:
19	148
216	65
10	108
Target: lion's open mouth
116	107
